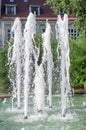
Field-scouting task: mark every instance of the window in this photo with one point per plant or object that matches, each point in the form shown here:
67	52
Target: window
35	9
11	0
42	28
7	31
25	0
73	32
10	9
8	34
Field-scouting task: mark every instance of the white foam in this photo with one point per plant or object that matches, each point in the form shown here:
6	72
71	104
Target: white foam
68	117
31	118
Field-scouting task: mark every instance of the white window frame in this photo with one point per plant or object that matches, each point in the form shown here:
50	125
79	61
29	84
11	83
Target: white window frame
14	9
25	0
35	6
11	0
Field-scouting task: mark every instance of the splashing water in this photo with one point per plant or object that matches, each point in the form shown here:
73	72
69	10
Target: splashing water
29	31
14	59
65	128
24	54
63	54
46	36
39	83
39	89
22	128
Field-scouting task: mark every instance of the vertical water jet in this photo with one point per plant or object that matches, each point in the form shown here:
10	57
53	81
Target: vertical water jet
48	58
14	59
64	60
29	31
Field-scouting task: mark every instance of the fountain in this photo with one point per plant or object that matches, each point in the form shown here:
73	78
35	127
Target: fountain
23	55
30	50
64	60
29	31
14	59
48	58
39	89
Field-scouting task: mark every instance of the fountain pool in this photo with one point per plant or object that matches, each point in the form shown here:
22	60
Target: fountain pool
50	120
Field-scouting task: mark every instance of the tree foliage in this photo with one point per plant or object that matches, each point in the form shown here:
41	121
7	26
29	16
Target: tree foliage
72	7
75	8
4	81
78	62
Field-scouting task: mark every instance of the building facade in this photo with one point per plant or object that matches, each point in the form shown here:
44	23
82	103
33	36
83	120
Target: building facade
10	9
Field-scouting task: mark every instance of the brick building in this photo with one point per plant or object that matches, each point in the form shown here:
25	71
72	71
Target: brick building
10	9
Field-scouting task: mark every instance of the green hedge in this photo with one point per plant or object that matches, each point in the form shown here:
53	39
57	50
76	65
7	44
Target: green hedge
4	81
78	62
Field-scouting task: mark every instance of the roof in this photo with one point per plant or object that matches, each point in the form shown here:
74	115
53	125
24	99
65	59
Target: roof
23	8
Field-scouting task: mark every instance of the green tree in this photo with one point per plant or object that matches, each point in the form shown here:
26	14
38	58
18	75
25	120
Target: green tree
4	81
77	47
72	7
78	62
